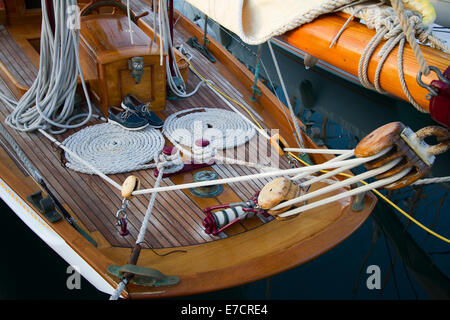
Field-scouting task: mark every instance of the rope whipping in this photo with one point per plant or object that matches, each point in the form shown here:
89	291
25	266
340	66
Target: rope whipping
49	103
112	149
222	128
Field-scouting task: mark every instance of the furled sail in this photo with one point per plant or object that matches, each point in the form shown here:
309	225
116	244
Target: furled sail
256	21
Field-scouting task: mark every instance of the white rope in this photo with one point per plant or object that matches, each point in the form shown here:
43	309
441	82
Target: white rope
344	183
371	186
118	291
50	100
319	151
112	149
166	45
294	119
274	173
222	128
142	231
81	160
432	180
344	156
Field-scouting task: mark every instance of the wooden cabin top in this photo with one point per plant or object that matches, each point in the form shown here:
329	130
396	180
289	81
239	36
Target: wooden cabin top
108	37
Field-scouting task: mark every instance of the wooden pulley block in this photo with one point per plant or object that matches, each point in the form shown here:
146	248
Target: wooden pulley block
405	144
277	191
130	185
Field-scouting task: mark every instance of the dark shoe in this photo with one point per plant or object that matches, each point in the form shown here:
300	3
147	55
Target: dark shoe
132	103
127	119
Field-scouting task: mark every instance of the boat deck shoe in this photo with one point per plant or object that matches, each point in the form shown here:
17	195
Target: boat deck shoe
126	119
132	103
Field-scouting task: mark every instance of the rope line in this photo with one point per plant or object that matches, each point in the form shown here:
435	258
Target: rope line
50	100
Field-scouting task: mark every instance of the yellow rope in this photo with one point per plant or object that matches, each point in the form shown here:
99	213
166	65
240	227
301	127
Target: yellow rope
324	171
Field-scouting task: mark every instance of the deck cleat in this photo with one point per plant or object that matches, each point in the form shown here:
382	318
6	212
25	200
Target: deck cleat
143	276
414	152
208	191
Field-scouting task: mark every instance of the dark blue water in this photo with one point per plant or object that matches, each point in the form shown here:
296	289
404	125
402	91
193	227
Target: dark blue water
338	274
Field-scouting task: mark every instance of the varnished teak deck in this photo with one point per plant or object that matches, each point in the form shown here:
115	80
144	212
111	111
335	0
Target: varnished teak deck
177	216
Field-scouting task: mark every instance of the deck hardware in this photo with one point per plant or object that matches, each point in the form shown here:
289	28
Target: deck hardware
221	217
46	206
440	103
276	191
193	43
410	147
202	48
278	143
210	191
136	67
358	200
142	276
121	216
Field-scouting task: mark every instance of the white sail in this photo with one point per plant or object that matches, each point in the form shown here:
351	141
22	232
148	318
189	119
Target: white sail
256	21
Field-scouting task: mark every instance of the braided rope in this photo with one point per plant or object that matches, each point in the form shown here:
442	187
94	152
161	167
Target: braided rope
112	149
394	25
222	128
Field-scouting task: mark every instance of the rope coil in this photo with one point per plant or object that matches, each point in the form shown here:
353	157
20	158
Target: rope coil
222	128
112	149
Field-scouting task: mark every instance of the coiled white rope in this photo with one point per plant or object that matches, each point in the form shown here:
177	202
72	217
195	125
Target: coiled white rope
222	128
112	149
50	100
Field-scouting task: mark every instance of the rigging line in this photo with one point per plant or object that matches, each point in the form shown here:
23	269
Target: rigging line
410	281
141	236
293	117
129	23
391	269
396	207
253	176
379	194
364	261
438	213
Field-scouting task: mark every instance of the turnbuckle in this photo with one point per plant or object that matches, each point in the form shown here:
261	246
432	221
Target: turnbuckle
121	216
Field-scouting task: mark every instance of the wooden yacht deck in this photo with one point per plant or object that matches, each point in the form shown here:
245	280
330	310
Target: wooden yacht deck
177	216
202	263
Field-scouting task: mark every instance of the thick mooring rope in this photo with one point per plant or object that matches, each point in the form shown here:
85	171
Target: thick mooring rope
112	149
